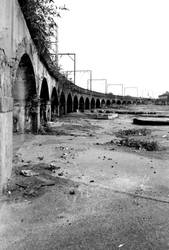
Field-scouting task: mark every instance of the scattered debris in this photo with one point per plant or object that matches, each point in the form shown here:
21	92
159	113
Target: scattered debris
60	174
72	191
121	245
52	166
41	158
28	173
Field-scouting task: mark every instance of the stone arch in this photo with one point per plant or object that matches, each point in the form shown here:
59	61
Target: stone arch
23	48
44	102
81	104
108	103
92	103
113	102
54	104
62	104
87	104
97	103
118	102
124	102
128	102
75	103
69	103
138	102
103	103
25	97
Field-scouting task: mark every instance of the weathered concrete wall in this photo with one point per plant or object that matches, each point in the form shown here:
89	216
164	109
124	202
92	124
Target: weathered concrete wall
15	41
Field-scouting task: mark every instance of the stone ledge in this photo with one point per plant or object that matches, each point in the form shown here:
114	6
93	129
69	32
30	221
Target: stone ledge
6	104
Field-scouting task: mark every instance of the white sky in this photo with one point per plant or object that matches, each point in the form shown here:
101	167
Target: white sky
123	41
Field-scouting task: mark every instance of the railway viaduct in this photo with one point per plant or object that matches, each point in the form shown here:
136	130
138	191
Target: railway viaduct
29	91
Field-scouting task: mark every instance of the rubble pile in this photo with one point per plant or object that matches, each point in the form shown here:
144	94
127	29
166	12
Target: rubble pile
133	132
139	144
131	138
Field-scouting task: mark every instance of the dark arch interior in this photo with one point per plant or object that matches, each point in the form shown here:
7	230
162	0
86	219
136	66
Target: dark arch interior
62	104
118	102
108	103
92	103
87	103
25	97
97	103
44	98
44	93
54	104
69	103
102	103
81	104
75	104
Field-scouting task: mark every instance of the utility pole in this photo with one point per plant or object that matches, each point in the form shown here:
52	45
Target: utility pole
72	56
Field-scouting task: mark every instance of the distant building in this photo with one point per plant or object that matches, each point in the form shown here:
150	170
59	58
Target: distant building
164	98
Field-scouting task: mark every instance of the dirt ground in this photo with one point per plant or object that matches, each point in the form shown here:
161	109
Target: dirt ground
78	186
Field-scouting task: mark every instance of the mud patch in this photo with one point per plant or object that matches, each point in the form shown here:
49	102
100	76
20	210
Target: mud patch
31	186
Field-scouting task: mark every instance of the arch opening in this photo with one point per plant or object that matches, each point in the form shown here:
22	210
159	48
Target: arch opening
25	97
97	103
108	103
69	103
129	103
62	104
75	104
44	102
118	102
103	103
87	103
81	104
93	103
54	104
